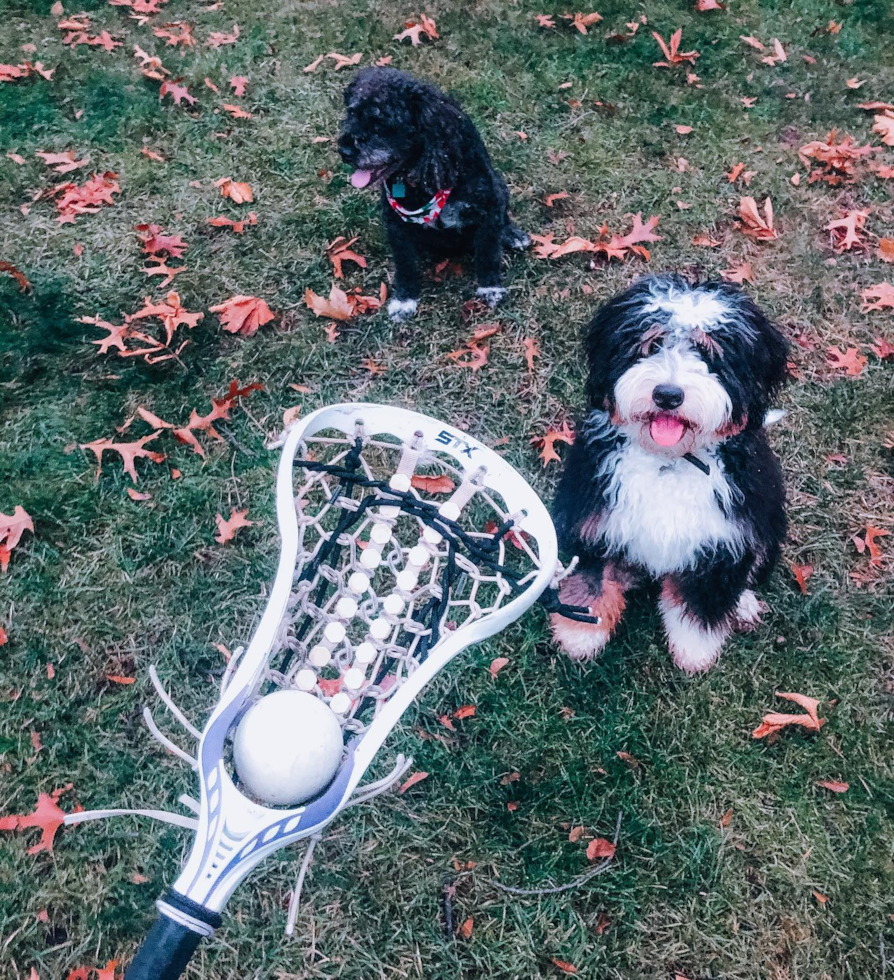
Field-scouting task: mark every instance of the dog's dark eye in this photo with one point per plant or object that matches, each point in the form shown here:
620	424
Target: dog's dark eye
374	112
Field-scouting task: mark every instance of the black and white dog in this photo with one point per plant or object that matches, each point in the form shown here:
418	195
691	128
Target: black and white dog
671	477
440	192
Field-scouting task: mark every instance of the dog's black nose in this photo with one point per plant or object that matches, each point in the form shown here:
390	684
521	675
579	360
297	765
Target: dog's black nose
347	145
667	396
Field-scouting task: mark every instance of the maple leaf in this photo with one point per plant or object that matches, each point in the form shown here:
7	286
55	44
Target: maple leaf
218	38
226	529
880	297
338	306
600	848
433	484
12	527
17	274
802	575
581	22
417	777
47	816
237	191
547	443
757	226
62	163
414	30
545	20
775	721
176	91
343	61
846	231
243	314
672	51
851	360
237	226
339	251
884	126
129	452
176	32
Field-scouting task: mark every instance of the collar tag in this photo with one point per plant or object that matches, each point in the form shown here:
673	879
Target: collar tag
398	189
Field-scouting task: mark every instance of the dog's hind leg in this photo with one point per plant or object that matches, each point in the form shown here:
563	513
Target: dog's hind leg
514	237
599	589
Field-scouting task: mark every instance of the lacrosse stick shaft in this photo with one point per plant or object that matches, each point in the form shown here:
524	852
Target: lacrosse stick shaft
175	936
165	952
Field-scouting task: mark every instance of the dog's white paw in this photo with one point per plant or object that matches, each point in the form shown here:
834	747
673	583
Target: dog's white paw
580	641
694	648
492	295
517	239
402	309
748	612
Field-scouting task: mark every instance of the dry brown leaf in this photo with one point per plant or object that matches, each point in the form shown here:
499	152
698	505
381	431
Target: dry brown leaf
757	226
128	451
547	443
417	777
243	314
237	191
226	529
433	484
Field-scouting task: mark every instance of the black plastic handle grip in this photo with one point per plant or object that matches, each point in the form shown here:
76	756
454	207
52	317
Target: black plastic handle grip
165	952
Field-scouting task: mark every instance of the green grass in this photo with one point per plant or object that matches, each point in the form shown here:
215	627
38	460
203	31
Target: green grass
109	585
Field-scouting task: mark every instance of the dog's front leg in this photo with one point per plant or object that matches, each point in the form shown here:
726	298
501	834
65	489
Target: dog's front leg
598	588
701	606
489	262
407	281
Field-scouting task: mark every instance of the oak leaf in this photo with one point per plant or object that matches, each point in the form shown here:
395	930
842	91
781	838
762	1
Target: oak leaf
237	226
12	527
237	191
672	51
62	163
547	443
238	84
846	231
72	200
218	38
237	112
775	721
339	251
581	22
869	543
415	30
243	314
343	61
417	777
433	484
176	91
759	227
738	273
473	356
47	816
156	241
128	451
851	360
880	297
226	529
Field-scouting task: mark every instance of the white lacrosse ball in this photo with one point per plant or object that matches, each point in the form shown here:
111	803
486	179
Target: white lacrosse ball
287	747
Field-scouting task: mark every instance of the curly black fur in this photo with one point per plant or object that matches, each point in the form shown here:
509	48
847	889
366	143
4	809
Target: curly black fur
396	125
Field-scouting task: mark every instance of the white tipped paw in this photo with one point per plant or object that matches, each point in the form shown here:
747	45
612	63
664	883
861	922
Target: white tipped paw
402	309
518	240
748	612
580	641
492	295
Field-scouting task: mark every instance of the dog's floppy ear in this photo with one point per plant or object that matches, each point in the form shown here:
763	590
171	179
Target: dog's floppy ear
439	124
769	366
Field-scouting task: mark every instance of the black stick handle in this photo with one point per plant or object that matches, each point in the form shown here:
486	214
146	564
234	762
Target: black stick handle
170	943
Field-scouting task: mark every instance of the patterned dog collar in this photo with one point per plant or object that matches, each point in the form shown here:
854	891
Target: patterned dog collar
425	215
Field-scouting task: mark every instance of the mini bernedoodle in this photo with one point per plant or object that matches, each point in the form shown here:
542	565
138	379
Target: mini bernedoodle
671	478
440	192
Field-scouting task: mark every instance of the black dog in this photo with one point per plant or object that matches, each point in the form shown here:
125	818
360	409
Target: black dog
671	477
440	193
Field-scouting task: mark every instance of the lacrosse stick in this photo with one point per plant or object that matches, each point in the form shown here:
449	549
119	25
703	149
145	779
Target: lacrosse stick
381	582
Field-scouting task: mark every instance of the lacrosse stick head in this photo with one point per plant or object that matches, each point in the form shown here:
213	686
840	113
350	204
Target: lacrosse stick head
404	540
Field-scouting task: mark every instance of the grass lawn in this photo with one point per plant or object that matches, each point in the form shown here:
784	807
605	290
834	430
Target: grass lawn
731	863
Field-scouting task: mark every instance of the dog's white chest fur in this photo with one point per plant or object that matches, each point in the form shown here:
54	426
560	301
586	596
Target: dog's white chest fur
662	513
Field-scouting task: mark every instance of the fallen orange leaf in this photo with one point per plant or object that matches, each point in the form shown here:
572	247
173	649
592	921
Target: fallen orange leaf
547	443
417	777
226	529
433	484
47	817
243	314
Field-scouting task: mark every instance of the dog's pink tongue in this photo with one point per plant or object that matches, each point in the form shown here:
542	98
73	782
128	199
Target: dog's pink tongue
360	178
666	430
